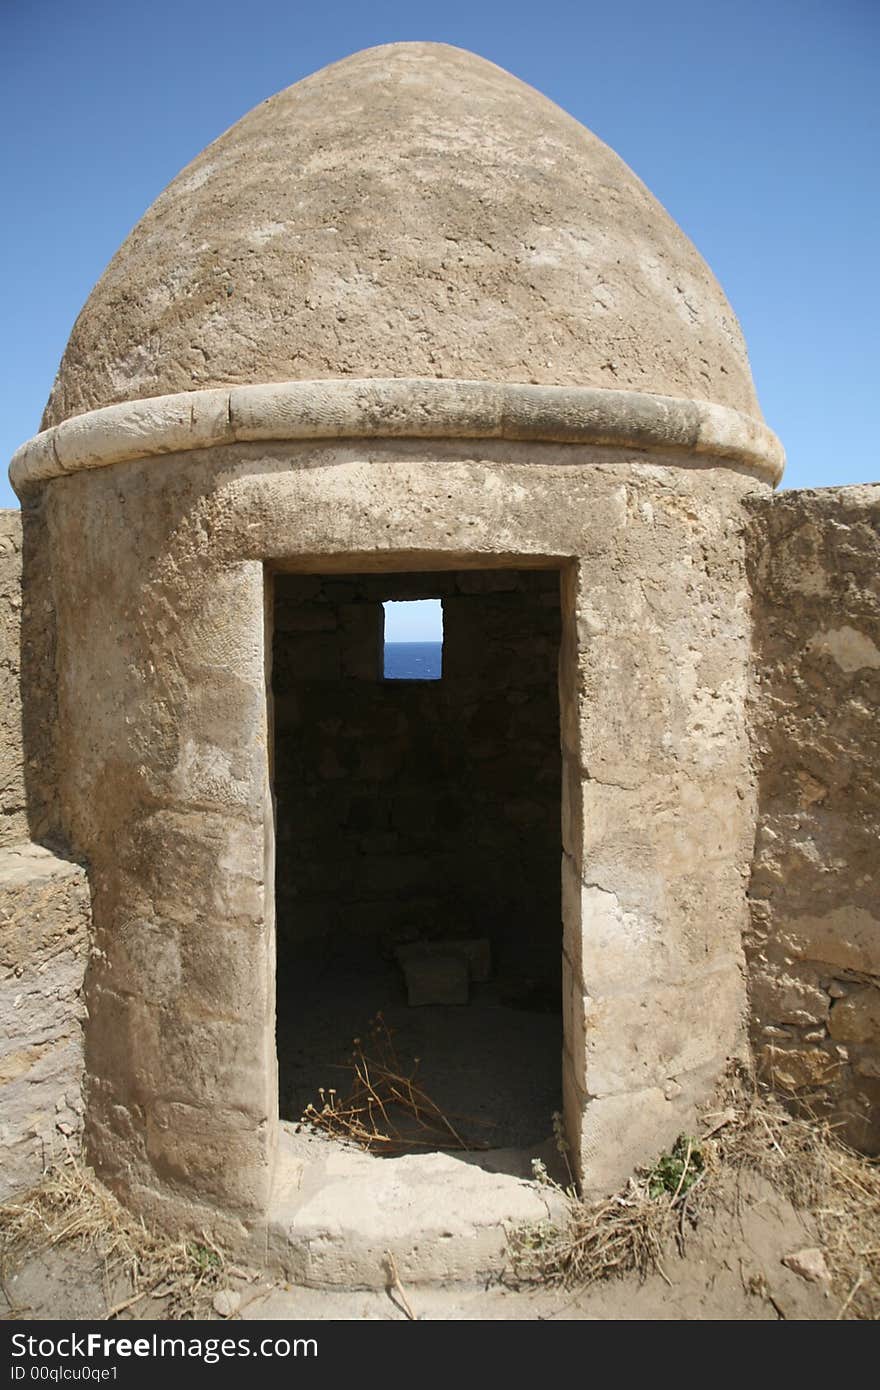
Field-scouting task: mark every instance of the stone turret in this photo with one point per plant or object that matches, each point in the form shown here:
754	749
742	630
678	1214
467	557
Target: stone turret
412	211
407	330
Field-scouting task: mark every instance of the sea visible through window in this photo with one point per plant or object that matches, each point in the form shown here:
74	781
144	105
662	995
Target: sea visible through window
413	640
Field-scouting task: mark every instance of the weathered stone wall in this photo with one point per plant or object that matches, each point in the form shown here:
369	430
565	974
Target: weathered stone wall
44	914
13	818
814	944
165	784
44	900
420	809
39	683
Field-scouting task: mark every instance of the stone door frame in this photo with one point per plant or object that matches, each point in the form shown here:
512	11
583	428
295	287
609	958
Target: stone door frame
573	1087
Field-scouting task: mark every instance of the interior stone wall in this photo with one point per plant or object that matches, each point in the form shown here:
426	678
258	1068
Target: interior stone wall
814	940
412	810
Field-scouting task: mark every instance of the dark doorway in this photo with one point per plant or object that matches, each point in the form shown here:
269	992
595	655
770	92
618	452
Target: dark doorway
418	844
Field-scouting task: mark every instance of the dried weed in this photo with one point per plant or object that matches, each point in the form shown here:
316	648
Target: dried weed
801	1156
384	1108
70	1204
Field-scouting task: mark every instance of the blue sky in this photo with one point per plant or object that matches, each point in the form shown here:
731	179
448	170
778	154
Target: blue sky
414	620
755	123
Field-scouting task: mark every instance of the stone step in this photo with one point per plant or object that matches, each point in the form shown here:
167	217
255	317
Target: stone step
338	1213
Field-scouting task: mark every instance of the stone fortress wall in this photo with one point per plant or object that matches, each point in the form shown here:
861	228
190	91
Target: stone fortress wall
13	816
44	915
814	945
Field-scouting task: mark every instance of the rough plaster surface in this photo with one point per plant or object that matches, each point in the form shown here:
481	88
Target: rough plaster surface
44	915
13	818
410	211
814	946
164	774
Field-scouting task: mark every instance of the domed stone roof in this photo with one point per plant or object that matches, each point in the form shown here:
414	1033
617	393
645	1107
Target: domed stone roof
410	211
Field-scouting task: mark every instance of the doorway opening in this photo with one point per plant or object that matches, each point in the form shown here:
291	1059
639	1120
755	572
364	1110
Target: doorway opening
418	845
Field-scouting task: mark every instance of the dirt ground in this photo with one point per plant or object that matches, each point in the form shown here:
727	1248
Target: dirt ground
731	1268
492	1067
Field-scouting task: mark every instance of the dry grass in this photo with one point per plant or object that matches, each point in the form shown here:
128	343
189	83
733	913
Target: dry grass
835	1188
626	1233
384	1108
750	1132
803	1157
69	1204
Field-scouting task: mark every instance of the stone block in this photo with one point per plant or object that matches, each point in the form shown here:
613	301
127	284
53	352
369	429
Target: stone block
620	946
487	581
621	1132
215	1154
856	1019
443	1220
189	864
780	996
434	978
362	626
304	617
799	1068
636	1041
476	952
847	937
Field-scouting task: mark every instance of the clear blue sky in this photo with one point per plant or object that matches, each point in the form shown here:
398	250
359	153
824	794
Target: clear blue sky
754	121
414	620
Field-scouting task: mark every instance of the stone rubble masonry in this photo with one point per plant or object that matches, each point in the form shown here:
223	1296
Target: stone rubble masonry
44	915
13	816
814	940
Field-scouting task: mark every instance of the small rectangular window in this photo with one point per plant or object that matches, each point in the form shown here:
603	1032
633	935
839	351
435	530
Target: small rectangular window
413	648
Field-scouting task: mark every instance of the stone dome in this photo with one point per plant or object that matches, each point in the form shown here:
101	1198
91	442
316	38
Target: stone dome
410	211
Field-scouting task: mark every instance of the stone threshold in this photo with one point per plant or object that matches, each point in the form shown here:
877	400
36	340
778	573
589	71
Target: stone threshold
336	1213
